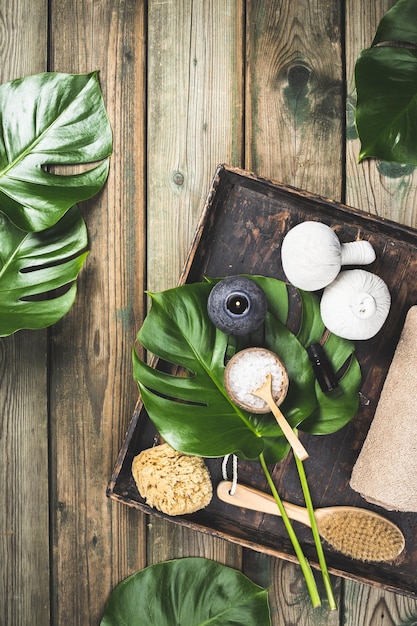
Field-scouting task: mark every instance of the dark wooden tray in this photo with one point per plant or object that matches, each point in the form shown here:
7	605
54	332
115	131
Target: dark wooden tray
241	229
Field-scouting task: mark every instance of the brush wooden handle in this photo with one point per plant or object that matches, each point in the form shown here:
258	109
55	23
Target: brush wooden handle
352	533
250	498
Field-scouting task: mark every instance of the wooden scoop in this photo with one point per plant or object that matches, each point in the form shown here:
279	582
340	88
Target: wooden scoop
270	366
353	531
265	392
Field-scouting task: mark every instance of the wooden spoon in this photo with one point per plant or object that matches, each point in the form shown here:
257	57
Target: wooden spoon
265	392
269	365
353	531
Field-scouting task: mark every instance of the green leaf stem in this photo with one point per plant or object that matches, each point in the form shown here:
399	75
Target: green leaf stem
316	535
304	564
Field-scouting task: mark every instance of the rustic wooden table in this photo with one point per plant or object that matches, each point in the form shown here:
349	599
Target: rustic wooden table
264	85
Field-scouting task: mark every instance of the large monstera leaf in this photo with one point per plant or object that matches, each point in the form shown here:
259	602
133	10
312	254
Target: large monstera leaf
386	85
50	119
187	401
204	420
191	591
38	272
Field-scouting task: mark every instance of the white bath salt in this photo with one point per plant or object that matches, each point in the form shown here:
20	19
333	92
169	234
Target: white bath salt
247	371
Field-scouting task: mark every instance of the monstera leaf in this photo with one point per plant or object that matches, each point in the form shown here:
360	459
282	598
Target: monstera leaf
37	272
204	420
386	85
50	119
191	591
47	121
188	403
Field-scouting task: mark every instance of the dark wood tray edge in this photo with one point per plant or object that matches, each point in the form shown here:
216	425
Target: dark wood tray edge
408	232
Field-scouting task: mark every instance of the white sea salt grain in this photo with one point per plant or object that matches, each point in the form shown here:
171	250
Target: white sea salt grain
247	371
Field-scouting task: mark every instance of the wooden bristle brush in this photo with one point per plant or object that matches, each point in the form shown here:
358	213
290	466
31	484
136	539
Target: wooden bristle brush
355	532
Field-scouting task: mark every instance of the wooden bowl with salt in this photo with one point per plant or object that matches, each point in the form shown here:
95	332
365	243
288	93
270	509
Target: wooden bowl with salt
247	371
257	381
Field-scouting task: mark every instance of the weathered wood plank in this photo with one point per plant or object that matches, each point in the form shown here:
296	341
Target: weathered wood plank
169	541
294	124
369	605
294	93
195	120
289	599
195	113
97	542
23	46
24	546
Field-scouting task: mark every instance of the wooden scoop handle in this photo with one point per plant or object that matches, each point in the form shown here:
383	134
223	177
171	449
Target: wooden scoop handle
290	435
265	393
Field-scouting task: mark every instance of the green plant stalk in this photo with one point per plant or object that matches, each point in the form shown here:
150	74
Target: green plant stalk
316	534
305	565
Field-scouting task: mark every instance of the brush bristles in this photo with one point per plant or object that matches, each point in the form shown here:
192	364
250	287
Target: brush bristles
362	536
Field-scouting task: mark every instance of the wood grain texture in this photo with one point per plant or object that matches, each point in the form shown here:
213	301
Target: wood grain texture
23	49
24	543
294	92
24	547
288	596
368	605
195	113
195	122
97	543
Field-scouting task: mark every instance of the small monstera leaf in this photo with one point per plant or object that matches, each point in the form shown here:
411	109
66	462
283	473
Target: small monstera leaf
386	86
50	119
190	591
33	266
187	401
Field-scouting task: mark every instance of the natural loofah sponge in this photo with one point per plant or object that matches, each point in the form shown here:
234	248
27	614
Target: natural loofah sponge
172	482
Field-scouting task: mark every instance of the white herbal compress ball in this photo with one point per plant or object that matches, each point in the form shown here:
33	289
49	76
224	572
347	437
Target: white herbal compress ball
312	255
355	305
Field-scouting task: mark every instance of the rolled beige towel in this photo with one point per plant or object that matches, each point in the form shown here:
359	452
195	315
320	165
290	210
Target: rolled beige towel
385	472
